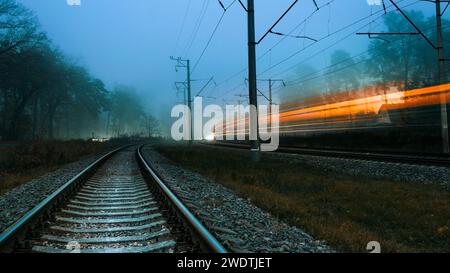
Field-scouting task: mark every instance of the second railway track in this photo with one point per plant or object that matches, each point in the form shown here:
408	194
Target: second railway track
117	205
406	158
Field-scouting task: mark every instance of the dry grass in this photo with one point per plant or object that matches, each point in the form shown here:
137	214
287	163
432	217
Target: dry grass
345	211
11	180
30	160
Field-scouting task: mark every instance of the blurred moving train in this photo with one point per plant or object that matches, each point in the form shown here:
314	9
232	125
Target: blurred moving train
369	107
373	117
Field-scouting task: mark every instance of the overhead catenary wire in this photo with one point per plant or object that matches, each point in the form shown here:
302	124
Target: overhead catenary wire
277	21
335	64
303	49
182	25
281	40
295	28
293	36
196	27
234	75
213	33
327	36
310	76
204	87
319	52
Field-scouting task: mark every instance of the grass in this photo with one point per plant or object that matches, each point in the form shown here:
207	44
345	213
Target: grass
22	163
345	211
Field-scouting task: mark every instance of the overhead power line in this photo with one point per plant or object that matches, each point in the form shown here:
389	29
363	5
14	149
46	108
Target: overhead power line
320	51
206	85
197	26
234	75
293	36
325	37
183	24
277	21
317	74
213	33
295	28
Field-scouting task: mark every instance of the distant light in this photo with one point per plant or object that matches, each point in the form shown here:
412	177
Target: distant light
100	139
209	137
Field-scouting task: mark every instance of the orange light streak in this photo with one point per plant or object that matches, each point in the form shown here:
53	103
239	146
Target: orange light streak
369	105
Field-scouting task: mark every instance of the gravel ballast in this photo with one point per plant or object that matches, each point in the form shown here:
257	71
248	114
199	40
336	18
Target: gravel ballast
237	223
374	169
18	201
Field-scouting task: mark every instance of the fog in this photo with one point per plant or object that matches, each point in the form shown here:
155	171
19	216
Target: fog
128	43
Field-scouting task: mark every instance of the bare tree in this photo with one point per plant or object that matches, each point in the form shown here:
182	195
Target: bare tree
19	28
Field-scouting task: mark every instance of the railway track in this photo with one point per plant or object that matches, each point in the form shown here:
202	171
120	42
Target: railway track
428	159
116	205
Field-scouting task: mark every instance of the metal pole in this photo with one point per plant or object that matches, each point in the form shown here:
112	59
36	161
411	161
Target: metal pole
270	103
239	109
252	77
107	124
189	99
186	64
442	80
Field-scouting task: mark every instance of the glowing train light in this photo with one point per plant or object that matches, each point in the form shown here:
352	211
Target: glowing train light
347	112
369	105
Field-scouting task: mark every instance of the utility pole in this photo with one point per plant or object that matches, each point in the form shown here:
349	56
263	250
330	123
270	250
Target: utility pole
441	61
253	99
270	103
186	64
240	101
188	69
252	88
271	83
108	120
181	86
239	110
442	78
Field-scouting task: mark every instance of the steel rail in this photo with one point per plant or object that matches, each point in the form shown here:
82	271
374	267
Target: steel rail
426	159
206	240
11	236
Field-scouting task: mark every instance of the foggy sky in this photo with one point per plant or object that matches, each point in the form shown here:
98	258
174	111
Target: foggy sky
129	42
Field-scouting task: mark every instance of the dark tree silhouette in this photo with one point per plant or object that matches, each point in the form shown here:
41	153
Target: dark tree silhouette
43	94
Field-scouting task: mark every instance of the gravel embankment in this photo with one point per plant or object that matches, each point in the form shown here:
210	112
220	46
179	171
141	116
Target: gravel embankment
18	201
239	225
374	169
